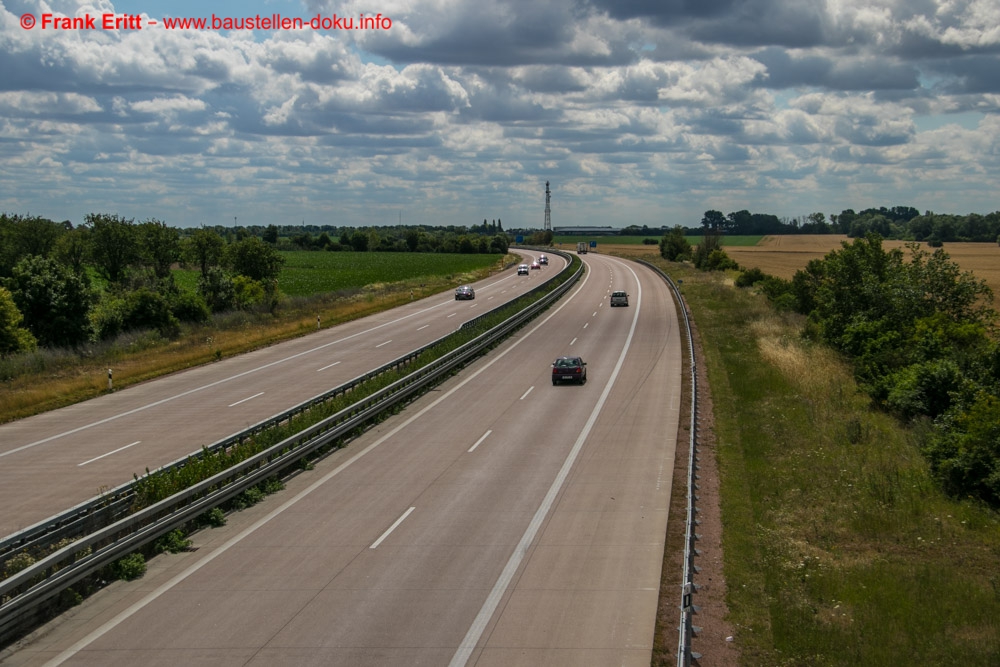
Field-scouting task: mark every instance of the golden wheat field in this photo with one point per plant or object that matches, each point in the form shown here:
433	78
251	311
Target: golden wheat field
782	256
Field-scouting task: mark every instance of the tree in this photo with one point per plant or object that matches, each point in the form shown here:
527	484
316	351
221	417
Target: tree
713	221
114	245
13	337
500	244
412	239
216	287
53	300
359	241
21	236
255	259
203	248
673	246
72	249
271	235
159	246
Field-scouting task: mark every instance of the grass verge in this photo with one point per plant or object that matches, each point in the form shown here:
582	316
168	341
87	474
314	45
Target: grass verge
838	547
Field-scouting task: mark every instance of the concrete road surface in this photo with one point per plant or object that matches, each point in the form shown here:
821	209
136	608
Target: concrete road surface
498	520
56	460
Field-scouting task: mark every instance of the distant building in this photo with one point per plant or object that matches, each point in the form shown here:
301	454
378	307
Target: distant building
585	231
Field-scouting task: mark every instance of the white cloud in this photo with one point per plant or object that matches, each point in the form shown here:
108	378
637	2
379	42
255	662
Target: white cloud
630	109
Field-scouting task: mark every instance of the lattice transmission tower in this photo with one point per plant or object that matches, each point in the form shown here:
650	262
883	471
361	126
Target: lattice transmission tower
548	208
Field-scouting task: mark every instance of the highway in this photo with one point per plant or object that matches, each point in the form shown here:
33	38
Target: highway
54	461
498	520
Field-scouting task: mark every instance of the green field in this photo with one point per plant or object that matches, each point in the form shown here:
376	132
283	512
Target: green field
637	240
311	272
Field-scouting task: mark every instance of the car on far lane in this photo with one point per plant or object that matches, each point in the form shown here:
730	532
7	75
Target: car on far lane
535	266
522	270
464	293
542	259
569	369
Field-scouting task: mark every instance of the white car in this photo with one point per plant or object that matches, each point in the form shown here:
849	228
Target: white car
522	270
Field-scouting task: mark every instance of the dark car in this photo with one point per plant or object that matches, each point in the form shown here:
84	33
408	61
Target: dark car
569	369
542	259
464	293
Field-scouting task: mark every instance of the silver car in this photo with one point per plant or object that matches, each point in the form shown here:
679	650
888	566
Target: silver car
619	298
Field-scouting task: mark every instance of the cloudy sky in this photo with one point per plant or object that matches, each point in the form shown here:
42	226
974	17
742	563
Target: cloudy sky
637	111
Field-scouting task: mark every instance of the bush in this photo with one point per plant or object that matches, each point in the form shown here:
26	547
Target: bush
750	277
247	292
173	542
923	389
718	260
216	287
215	517
965	454
107	318
128	568
190	307
674	247
146	309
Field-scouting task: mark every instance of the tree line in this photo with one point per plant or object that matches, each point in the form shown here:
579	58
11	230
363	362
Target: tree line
898	222
63	285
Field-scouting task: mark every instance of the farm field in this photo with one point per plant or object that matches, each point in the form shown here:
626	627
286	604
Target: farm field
782	256
310	272
568	243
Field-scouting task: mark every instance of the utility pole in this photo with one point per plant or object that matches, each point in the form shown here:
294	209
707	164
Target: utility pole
548	208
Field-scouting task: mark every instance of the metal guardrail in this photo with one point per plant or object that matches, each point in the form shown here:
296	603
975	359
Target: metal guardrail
93	547
686	628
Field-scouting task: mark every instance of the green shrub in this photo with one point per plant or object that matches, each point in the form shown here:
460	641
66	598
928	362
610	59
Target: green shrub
750	277
146	309
128	568
674	247
107	318
173	542
215	517
190	307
